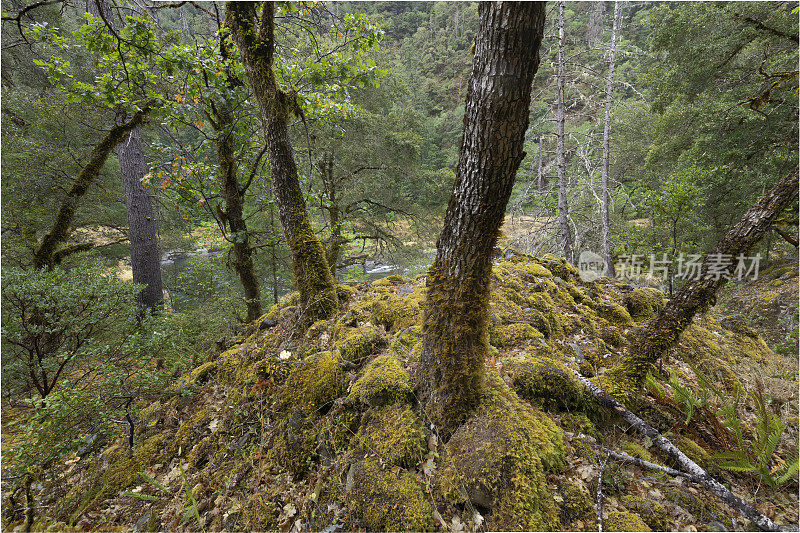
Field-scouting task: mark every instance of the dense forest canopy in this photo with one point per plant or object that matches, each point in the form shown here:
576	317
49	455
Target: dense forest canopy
185	180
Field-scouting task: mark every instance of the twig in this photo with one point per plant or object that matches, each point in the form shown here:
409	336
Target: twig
761	521
622	456
600	495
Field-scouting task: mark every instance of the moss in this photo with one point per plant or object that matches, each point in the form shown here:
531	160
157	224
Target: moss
546	382
559	267
345	292
644	302
578	423
395	435
188	428
617	521
692	450
499	457
651	512
703	509
261	512
317	328
637	450
388	281
125	466
385	380
513	334
384	501
550	319
356	344
615	314
529	271
295	444
396	313
315	382
202	451
609	333
577	503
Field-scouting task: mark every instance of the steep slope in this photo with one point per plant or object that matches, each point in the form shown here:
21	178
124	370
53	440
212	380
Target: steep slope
283	431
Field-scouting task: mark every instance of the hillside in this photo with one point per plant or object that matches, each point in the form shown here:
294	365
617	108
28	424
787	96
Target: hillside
289	432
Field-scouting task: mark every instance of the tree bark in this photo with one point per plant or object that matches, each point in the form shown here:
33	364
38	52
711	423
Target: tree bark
61	227
455	342
234	212
145	259
255	39
540	181
333	250
625	380
605	200
594	29
563	207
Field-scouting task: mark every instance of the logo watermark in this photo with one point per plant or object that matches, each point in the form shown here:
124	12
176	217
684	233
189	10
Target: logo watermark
690	267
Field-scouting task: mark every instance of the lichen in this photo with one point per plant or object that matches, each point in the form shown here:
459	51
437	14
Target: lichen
622	521
383	500
385	380
393	433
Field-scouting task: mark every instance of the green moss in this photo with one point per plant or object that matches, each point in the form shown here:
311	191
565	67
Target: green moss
385	501
644	302
578	423
546	382
345	292
295	444
615	314
261	512
513	334
609	333
356	344
187	428
315	382
395	435
529	271
317	328
652	512
692	450
396	313
637	450
385	380
703	509
617	521
388	281
499	457
549	320
577	503
559	267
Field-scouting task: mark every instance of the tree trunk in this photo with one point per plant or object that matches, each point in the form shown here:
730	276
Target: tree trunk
234	212
496	117
60	229
333	250
606	225
625	379
255	39
540	181
563	208
145	260
594	29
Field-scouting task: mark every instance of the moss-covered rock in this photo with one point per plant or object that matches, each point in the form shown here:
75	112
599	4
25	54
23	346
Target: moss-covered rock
395	313
546	382
385	380
621	521
393	433
385	501
513	334
549	319
357	344
388	281
295	442
652	512
644	302
577	503
499	457
615	314
559	267
315	382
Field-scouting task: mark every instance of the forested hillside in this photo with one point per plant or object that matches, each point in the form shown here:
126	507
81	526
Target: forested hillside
399	266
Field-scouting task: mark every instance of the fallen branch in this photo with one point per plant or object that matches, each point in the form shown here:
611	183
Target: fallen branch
622	456
600	495
700	476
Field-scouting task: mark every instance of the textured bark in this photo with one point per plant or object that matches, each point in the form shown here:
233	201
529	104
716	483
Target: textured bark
455	340
594	29
234	212
61	227
255	39
697	474
145	259
625	379
334	247
540	180
565	232
606	225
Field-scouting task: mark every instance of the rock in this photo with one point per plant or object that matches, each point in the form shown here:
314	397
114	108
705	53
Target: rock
267	323
716	526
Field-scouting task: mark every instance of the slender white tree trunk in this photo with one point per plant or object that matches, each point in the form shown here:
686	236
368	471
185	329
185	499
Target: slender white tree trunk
563	207
606	226
539	173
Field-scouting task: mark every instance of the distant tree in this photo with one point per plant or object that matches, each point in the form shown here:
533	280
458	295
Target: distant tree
496	117
563	202
605	197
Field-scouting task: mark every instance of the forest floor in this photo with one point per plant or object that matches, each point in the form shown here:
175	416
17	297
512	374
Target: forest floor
305	432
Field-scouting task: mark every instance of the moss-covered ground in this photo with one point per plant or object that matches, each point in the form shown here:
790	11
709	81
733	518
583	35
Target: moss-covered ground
290	430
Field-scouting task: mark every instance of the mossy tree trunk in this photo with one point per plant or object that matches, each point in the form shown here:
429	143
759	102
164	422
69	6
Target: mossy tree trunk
222	120
625	380
255	39
496	116
48	254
